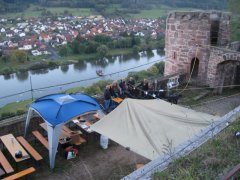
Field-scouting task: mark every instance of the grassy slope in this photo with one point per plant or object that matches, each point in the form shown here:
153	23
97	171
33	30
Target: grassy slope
13	107
210	161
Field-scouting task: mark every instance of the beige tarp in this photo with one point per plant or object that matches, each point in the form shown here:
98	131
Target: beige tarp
151	127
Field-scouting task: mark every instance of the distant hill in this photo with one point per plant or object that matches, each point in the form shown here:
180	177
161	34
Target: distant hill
100	5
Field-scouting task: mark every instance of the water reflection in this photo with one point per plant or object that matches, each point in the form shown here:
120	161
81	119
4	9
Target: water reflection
22	75
143	54
150	54
112	59
136	56
80	66
103	62
64	68
160	52
8	76
126	57
53	67
39	71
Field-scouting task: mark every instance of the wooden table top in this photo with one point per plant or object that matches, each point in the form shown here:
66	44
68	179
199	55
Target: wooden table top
117	100
65	133
83	125
12	145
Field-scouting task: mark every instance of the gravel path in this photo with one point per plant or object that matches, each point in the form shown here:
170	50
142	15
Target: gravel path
220	107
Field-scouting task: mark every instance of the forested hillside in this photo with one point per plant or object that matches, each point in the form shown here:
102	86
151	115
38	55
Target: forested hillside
101	5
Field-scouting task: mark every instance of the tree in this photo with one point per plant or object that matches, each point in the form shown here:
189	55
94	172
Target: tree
135	49
19	56
63	51
102	51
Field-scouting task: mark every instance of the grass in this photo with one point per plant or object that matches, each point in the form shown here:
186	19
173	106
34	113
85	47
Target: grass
153	13
157	12
210	161
13	107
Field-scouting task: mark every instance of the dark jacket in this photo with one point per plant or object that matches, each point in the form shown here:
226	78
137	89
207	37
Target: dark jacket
107	94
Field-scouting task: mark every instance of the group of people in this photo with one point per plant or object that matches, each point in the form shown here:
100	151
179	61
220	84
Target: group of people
126	89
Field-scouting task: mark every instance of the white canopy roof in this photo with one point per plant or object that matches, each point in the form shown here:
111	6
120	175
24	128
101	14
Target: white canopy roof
151	127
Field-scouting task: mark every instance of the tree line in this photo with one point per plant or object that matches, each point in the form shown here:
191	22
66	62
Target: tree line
98	44
101	5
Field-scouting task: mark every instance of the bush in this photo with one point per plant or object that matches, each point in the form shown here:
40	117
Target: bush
38	65
5	115
6	71
153	70
97	88
135	49
20	111
52	64
160	67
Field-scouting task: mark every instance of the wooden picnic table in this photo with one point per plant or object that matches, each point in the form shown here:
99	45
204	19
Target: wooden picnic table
65	133
13	146
117	100
84	125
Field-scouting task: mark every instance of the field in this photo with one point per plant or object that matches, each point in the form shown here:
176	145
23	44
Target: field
157	12
35	11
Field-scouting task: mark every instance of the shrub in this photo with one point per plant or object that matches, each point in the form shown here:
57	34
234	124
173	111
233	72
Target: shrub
6	71
38	65
20	111
53	64
160	67
153	70
5	115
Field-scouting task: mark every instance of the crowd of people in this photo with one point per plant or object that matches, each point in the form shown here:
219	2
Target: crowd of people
130	89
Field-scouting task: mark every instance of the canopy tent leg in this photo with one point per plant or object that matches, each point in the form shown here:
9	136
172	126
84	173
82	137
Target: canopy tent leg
29	115
53	139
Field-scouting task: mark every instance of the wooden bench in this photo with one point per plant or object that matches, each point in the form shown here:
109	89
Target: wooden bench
5	164
21	174
42	139
232	173
138	166
29	148
78	140
1	172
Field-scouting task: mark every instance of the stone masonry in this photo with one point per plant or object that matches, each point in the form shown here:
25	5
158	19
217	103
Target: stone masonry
203	37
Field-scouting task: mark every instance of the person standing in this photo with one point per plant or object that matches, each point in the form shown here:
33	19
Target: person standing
107	99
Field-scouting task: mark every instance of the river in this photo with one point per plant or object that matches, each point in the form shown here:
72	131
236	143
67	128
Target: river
54	78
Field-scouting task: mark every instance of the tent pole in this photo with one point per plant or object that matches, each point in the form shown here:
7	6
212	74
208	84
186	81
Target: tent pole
29	115
53	139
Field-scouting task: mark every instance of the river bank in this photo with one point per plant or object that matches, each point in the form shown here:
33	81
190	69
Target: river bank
34	63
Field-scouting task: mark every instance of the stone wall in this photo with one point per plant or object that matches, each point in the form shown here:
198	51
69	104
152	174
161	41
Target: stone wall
219	59
188	36
16	125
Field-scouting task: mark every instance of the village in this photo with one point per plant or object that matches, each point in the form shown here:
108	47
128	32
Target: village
42	36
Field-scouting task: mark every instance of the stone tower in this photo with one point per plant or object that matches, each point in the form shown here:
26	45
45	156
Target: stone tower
190	37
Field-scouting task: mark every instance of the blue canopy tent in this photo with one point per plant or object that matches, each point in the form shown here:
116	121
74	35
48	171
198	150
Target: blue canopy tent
58	109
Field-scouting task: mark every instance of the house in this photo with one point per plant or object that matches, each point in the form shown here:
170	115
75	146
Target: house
22	34
36	53
154	35
2	30
44	37
26	47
